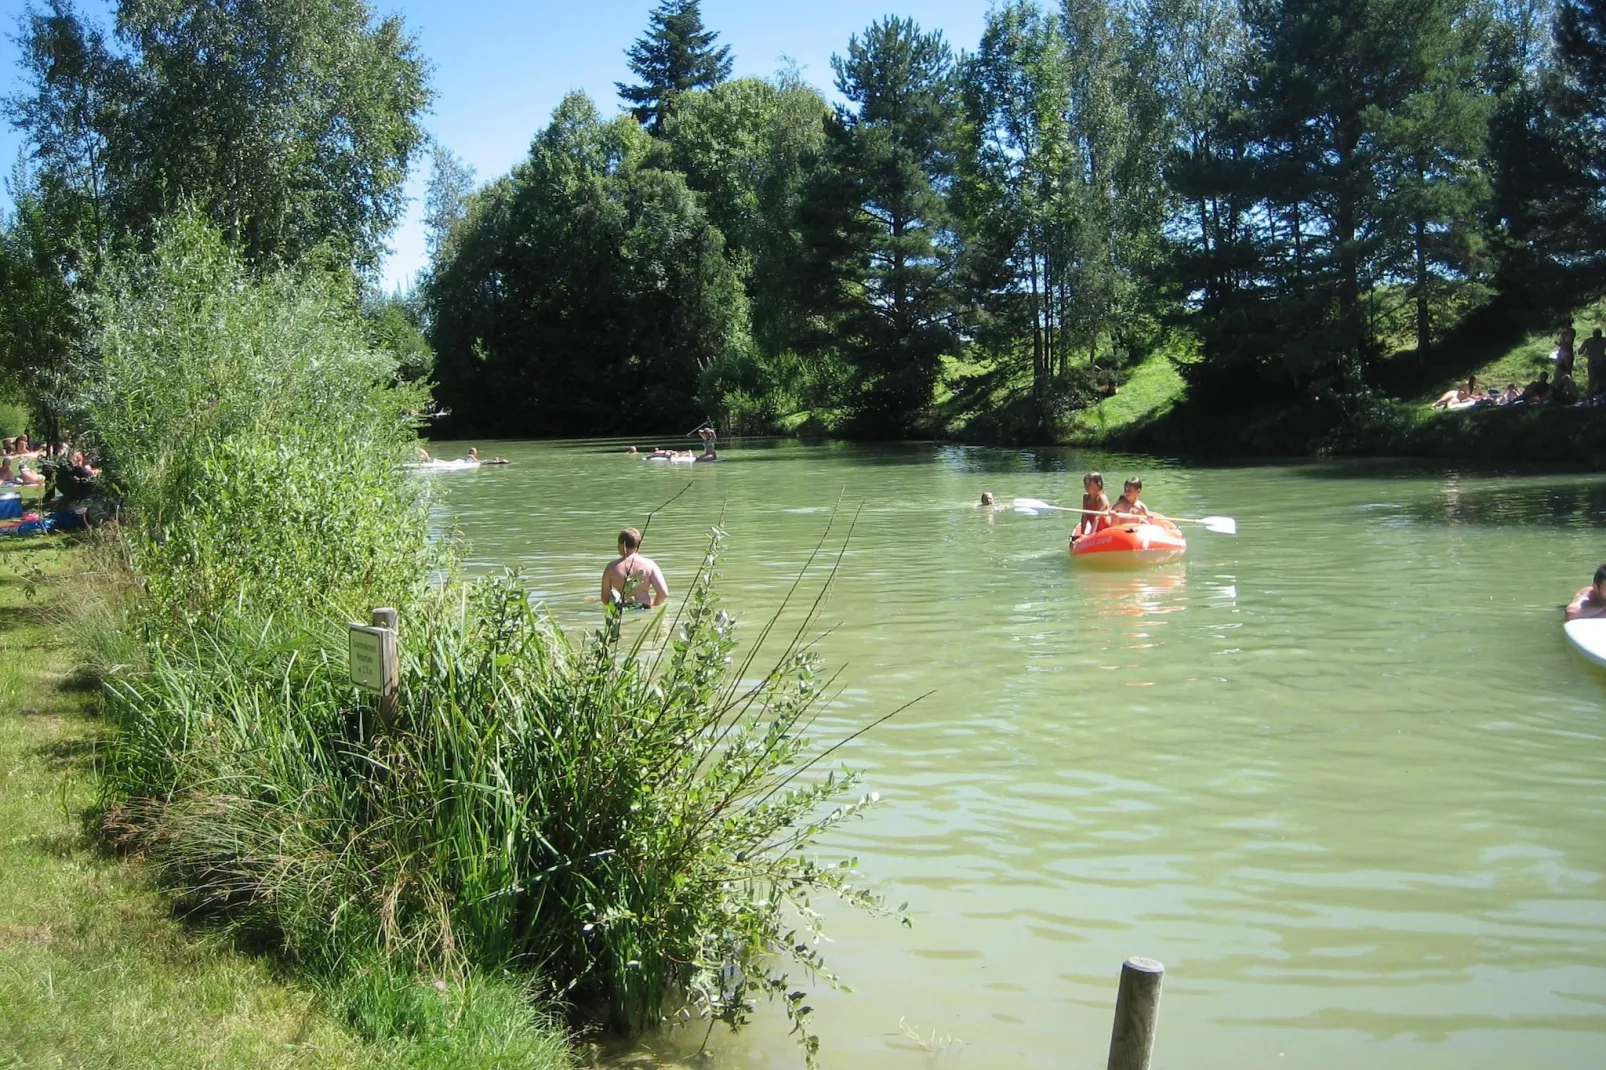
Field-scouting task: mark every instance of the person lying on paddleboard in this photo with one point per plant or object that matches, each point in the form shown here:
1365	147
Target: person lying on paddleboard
1591	601
1095	506
633	580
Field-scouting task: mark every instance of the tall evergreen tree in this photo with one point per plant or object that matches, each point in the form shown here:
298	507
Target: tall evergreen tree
1348	118
1578	99
674	57
880	243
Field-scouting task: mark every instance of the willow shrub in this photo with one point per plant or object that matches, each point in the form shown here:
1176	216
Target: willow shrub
254	433
629	830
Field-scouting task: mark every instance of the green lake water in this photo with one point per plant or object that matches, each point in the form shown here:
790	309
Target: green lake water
1339	772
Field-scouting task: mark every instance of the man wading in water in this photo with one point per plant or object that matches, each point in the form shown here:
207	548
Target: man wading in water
633	581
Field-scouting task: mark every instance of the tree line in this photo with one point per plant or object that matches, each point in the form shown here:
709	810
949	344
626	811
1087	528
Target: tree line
1279	193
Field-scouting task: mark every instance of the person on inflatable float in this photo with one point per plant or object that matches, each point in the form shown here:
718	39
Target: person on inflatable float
1127	506
1095	506
1591	601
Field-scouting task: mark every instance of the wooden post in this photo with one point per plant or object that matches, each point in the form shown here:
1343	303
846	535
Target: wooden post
387	619
1137	1011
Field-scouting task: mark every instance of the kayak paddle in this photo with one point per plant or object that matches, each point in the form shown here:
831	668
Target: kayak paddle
1221	525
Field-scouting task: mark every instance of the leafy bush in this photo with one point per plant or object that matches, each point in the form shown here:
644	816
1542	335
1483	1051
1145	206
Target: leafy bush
630	828
255	435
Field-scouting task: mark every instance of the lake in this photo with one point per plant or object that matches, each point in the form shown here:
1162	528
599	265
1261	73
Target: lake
1339	772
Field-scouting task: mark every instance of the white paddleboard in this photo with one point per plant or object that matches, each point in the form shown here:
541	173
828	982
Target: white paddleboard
1588	637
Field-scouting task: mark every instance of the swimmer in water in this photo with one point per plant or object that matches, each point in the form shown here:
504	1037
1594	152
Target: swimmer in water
633	580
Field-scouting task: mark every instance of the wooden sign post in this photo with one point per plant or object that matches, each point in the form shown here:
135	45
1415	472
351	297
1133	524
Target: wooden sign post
374	663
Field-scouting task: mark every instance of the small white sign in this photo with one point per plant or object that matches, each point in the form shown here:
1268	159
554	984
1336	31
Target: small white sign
367	650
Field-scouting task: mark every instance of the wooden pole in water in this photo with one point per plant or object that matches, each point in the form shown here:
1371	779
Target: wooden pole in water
1137	1012
391	674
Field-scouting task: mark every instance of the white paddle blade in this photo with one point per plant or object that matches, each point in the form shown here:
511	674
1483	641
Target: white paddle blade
1222	525
1032	505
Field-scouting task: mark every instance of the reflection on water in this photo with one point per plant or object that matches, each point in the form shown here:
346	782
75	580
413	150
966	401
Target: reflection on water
1338	773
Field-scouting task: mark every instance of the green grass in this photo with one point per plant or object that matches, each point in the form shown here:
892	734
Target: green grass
1148	393
1520	364
93	970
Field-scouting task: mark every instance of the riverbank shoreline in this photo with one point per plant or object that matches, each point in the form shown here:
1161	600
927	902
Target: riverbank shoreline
100	972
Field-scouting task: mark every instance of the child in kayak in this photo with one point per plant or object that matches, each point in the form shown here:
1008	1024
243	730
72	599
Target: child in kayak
1127	505
1095	506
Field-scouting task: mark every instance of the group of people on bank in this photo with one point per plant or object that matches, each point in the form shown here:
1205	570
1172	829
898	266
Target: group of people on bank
24	464
1563	390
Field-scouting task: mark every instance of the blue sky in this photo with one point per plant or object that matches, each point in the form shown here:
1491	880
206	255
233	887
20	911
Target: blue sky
501	66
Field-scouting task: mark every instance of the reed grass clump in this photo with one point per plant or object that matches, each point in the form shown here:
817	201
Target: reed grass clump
618	832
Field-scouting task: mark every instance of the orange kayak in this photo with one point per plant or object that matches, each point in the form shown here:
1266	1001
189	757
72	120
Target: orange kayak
1130	545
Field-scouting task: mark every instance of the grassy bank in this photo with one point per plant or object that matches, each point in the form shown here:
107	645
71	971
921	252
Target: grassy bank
94	969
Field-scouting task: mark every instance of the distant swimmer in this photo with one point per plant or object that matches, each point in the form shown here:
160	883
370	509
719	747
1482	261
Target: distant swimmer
633	580
1591	600
988	500
1095	506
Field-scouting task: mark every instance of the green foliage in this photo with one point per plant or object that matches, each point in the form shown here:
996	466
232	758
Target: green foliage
675	57
1346	159
587	291
292	125
879	244
39	328
396	324
254	433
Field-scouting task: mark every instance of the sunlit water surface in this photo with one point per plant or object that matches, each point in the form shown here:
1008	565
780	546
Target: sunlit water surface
1339	773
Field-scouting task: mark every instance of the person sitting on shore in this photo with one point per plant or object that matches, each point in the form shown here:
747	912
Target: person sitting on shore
1591	600
1127	507
633	580
1095	506
1457	395
8	474
1565	391
1538	390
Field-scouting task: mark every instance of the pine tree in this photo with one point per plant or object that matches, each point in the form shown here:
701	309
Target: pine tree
879	241
675	56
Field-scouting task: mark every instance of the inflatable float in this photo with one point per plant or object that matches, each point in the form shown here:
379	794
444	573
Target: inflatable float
1130	545
460	465
1588	637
